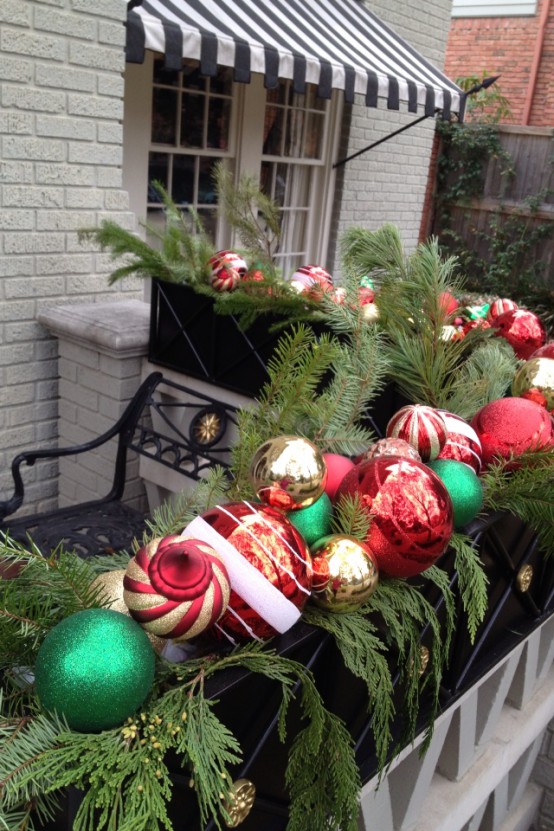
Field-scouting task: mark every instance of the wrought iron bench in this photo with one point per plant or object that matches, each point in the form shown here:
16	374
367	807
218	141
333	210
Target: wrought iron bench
186	432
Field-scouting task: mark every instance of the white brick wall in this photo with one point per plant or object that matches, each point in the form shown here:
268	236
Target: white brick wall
61	109
387	184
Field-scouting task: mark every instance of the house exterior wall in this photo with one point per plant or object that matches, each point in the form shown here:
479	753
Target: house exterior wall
505	46
387	184
60	170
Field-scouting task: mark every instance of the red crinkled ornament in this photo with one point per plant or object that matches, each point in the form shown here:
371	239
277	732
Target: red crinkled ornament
523	330
421	426
411	512
268	562
462	442
512	426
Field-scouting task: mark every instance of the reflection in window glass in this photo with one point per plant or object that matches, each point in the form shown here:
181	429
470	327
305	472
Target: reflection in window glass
168	78
273	131
192	120
182	190
222	84
164	116
313	136
206	188
158	171
192	79
219	117
295	123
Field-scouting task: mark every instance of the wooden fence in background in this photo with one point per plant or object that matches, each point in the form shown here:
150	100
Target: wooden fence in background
528	193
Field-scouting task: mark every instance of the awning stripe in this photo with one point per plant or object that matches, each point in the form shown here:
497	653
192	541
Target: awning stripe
335	44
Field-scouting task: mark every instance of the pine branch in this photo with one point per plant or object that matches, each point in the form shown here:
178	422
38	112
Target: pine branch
472	582
350	517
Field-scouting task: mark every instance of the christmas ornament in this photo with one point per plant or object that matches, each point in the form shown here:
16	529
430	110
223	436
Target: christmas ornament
239	802
228	260
370	312
511	426
464	487
421	426
315	521
365	295
410	509
288	472
253	275
176	587
447	303
536	376
477	323
498	307
94	668
311	276
476	312
269	565
337	468
546	351
452	333
462	442
366	282
338	295
390	447
523	330
110	585
224	279
345	573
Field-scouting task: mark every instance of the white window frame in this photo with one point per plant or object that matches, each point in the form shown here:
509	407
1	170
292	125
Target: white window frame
494	8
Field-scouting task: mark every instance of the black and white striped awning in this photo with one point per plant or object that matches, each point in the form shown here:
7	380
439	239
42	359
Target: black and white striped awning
335	44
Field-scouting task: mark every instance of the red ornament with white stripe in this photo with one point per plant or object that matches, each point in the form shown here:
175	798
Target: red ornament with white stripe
227	270
498	307
269	565
224	279
176	587
312	278
421	426
462	442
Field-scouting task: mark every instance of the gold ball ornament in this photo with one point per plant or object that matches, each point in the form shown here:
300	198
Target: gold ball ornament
535	380
239	802
288	472
111	585
345	573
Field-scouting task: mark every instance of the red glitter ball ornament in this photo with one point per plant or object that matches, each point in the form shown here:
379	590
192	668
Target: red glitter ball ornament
269	566
421	426
499	307
411	512
511	426
523	330
447	303
462	442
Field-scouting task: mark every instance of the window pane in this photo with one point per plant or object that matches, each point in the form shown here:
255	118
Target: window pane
209	222
155	218
183	180
164	116
192	79
192	121
206	186
273	131
279	94
313	137
158	168
295	123
169	78
223	82
219	116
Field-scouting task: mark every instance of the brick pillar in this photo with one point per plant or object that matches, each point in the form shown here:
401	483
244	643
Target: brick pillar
101	346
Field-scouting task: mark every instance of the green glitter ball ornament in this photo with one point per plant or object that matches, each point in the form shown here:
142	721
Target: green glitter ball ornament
314	521
464	487
95	668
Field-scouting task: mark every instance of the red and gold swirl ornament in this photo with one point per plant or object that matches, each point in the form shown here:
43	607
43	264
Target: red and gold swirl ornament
176	587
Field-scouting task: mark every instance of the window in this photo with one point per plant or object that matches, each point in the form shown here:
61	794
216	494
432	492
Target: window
281	137
493	8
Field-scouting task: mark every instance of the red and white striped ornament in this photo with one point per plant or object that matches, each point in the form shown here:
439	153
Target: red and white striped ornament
224	279
421	426
498	307
269	566
230	260
312	276
176	587
462	442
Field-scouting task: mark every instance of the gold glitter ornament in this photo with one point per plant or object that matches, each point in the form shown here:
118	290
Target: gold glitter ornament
239	802
370	313
111	583
345	573
535	380
288	472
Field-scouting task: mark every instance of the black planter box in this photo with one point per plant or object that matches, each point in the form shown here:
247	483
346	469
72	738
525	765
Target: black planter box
186	335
